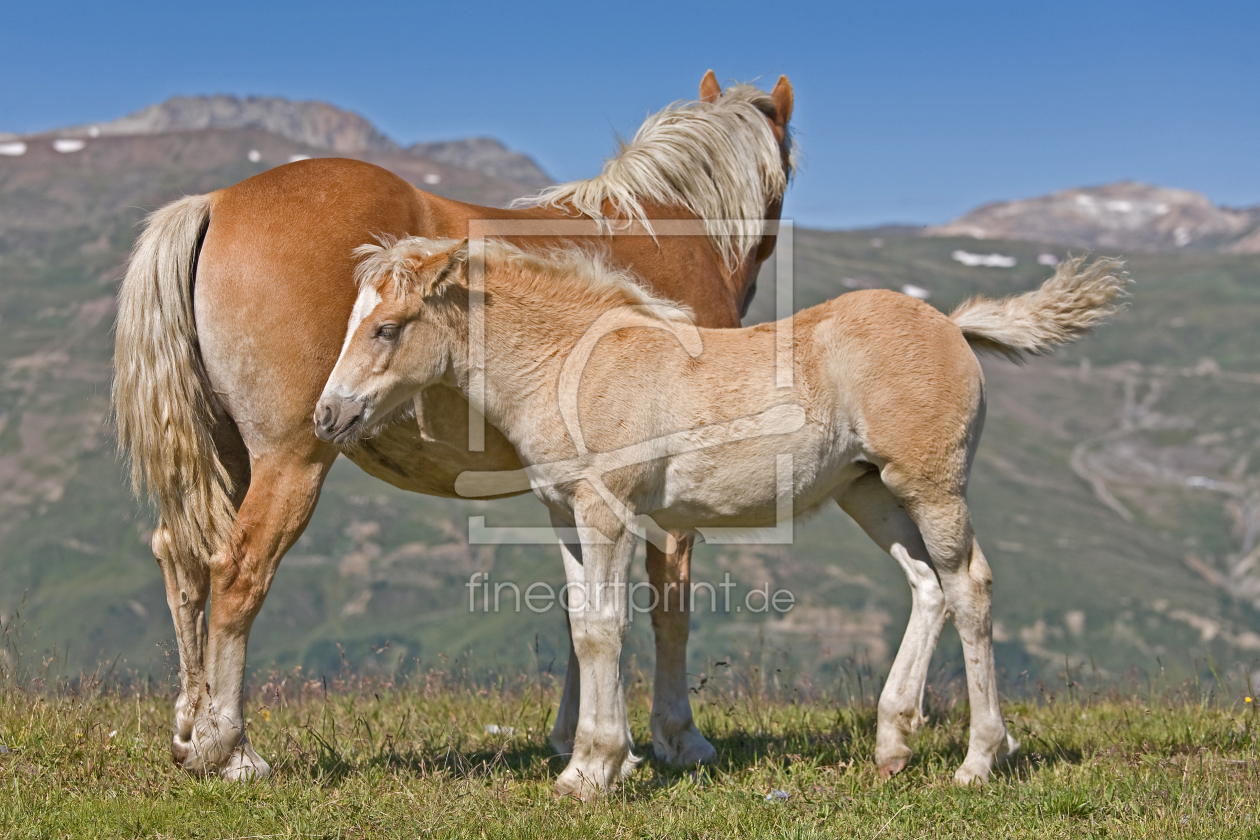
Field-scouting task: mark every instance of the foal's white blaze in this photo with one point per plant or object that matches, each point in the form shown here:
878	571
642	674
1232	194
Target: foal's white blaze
368	300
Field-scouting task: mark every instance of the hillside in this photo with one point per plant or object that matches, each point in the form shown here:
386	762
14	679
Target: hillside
1117	489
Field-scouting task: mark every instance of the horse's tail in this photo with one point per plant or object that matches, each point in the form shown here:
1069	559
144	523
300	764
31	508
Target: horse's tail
162	400
1076	299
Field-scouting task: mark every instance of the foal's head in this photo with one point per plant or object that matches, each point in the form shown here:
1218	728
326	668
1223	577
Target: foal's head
398	341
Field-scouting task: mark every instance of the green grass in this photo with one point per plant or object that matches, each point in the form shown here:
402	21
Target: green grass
375	757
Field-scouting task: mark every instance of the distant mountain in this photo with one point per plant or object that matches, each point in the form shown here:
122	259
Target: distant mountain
1126	216
485	154
314	124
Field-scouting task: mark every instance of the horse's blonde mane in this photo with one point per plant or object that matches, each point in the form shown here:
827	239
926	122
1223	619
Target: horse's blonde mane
582	275
719	160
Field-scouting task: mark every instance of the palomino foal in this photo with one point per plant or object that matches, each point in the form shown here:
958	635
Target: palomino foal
624	408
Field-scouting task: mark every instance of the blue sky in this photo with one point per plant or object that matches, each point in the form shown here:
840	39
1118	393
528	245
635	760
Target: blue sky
905	111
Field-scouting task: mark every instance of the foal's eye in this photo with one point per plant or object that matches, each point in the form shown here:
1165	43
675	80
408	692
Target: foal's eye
387	332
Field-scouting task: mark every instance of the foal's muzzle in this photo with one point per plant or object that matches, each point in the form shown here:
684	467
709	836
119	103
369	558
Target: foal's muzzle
338	419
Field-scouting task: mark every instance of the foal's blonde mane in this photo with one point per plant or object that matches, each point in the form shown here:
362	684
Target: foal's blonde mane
719	160
571	275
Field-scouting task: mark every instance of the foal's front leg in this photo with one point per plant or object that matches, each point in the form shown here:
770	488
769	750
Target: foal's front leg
675	737
598	618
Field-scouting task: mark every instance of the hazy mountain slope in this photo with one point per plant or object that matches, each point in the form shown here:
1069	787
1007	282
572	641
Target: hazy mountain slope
116	178
485	154
1073	576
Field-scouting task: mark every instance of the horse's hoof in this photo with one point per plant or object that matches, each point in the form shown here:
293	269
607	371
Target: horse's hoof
181	749
968	775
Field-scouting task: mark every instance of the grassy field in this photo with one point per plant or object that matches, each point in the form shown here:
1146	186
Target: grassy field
441	755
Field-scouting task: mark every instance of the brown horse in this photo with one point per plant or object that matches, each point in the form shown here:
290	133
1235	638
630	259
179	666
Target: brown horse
628	410
233	312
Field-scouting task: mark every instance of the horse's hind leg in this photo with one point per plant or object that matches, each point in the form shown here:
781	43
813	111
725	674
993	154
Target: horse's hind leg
187	589
187	586
886	522
674	734
282	494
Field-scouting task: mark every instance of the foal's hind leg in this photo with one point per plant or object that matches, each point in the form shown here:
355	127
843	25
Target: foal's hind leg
282	494
674	734
886	522
945	524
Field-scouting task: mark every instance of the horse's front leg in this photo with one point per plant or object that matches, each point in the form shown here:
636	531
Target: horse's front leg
282	494
598	573
674	734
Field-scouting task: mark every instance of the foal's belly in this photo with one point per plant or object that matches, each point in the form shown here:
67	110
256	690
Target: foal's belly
756	484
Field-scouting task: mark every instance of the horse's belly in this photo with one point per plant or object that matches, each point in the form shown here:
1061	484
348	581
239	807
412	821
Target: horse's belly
426	454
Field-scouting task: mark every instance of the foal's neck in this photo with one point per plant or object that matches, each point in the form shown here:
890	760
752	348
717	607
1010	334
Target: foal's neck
519	342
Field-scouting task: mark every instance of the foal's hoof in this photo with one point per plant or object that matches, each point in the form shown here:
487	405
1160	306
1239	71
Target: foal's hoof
182	751
575	784
685	749
893	766
244	765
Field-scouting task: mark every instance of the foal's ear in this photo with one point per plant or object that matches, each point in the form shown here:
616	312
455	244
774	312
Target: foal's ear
710	90
454	272
782	98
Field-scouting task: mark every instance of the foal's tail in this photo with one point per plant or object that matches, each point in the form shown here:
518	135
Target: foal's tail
161	397
1076	299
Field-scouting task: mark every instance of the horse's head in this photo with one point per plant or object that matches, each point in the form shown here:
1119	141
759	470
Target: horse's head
778	113
397	342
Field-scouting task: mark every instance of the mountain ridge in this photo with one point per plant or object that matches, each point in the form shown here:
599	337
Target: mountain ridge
1126	215
312	123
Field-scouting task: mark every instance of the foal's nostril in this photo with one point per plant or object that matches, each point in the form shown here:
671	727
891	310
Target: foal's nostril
326	420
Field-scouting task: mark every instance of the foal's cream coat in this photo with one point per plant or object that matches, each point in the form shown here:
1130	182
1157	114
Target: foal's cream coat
622	408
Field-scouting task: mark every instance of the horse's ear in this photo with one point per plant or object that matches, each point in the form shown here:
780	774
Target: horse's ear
710	90
782	97
455	271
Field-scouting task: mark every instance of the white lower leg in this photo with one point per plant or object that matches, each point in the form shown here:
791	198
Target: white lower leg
565	728
901	702
598	619
967	590
186	591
